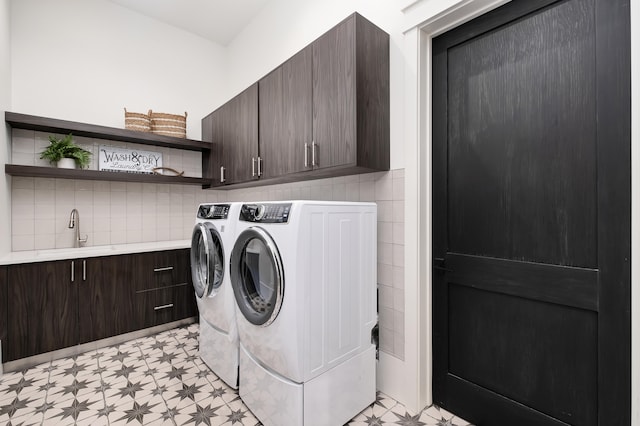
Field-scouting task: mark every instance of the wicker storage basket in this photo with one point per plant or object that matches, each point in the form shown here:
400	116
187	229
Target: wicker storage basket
137	121
169	124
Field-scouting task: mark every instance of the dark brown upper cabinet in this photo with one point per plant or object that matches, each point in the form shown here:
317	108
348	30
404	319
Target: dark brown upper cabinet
285	107
351	98
323	113
234	129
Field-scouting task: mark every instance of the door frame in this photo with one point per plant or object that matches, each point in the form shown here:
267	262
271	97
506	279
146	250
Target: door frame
423	21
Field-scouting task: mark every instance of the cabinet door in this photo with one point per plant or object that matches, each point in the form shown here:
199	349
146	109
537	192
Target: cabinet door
106	297
183	292
285	108
164	291
43	313
211	132
3	310
334	96
240	136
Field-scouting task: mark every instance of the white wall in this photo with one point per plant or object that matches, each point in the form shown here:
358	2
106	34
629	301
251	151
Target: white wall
87	60
5	103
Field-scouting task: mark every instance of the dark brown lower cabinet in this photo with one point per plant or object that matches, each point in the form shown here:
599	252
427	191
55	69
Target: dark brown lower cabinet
106	306
54	305
43	308
3	310
163	287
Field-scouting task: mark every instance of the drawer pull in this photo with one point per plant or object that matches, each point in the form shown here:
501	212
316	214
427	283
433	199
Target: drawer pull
167	268
168	305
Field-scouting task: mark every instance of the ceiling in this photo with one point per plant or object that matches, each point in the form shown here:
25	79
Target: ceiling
217	20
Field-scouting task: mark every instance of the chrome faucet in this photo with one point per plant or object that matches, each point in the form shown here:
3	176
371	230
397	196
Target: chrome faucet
74	222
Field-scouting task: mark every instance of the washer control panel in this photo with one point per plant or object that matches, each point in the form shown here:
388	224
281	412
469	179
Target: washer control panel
266	213
213	211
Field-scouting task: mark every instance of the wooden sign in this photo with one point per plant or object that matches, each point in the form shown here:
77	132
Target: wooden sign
128	160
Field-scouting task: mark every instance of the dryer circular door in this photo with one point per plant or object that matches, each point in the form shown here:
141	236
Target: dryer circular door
257	276
207	259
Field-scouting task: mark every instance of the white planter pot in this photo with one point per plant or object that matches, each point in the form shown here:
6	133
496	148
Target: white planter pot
67	163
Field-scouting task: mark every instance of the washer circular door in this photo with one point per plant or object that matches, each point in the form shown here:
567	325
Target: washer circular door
207	259
257	276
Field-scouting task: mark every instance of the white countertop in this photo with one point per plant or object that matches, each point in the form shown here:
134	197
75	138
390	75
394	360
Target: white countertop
91	251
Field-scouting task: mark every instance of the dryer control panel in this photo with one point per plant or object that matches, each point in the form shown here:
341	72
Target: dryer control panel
266	213
213	211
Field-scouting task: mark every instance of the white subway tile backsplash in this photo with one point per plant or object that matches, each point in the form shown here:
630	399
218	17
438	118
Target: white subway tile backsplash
385	211
367	190
23	197
398	277
398	300
386	340
385	232
385	317
397	174
398	189
398	255
23	159
134	235
385	296
45	184
384	187
22	242
385	274
352	191
44	241
118	224
65	185
118	186
398	211
22	227
398	233
385	253
101	238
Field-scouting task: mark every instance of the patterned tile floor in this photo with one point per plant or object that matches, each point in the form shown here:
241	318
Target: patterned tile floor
154	380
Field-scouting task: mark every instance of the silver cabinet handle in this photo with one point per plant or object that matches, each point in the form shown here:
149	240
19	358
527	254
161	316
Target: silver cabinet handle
84	270
157	308
306	154
259	166
73	267
222	179
313	154
166	268
253	166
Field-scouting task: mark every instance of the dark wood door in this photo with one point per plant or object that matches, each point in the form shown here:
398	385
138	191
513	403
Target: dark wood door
334	96
240	136
106	297
43	313
285	104
531	215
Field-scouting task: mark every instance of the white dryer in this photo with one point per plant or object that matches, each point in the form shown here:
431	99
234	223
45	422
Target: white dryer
211	242
304	278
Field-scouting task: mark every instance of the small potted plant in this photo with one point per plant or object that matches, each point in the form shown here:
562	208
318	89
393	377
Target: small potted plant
65	153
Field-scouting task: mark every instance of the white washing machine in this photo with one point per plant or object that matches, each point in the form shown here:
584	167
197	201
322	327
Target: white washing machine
304	278
211	243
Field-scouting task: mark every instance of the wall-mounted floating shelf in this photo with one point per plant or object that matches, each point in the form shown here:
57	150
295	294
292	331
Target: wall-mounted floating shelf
53	125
